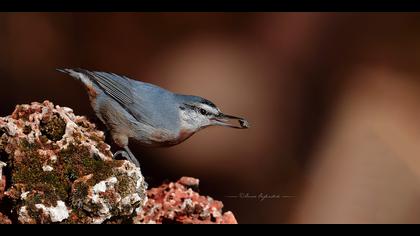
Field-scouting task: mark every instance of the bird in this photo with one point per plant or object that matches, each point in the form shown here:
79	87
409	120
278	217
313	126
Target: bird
146	113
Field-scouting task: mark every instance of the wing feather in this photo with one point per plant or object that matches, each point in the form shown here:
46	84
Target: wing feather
116	86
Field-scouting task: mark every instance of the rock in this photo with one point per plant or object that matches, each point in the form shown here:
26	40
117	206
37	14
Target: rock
2	164
2	186
177	203
2	180
4	219
61	170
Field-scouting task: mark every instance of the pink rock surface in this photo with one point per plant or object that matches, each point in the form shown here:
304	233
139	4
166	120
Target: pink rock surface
177	203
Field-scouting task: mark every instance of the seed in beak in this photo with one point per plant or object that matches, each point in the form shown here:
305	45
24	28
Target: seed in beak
226	120
244	123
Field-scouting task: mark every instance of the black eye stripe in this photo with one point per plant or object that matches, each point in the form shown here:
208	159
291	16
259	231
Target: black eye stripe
197	109
207	102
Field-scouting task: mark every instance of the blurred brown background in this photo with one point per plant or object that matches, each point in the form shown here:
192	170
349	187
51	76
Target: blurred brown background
333	100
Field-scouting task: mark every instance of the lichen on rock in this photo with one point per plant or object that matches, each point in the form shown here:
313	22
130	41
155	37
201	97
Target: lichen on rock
61	170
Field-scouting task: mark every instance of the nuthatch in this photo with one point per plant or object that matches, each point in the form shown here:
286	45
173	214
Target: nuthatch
147	113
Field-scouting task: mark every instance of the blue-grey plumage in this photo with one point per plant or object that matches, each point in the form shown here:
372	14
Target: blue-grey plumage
147	113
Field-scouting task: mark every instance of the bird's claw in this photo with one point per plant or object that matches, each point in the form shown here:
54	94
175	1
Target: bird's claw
127	156
123	154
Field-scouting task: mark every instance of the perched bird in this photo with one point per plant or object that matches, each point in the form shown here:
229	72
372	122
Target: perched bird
153	116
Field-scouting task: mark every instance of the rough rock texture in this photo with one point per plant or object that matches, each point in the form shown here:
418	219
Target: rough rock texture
2	180
4	219
59	169
178	203
56	168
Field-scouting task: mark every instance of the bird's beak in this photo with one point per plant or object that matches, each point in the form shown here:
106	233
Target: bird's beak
227	120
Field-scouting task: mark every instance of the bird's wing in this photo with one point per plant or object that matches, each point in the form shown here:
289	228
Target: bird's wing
119	88
116	86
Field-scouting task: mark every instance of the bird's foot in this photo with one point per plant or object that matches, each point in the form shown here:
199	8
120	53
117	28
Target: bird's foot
127	156
123	154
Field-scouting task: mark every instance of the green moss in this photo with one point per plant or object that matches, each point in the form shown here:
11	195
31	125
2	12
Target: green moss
81	190
54	128
77	162
29	172
26	146
52	184
72	163
125	185
30	201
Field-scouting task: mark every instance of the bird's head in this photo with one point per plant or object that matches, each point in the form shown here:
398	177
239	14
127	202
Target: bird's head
197	113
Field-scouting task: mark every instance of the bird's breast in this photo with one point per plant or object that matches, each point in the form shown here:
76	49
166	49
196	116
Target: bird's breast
164	138
184	134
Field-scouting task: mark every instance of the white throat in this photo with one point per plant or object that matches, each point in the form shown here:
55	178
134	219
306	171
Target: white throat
191	121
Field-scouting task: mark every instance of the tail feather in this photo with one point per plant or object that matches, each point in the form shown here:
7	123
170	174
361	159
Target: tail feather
79	74
64	70
73	72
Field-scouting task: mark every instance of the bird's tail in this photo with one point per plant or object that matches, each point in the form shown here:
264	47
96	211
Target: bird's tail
64	70
78	73
83	76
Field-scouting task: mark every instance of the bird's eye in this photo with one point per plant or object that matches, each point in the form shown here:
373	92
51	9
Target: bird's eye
203	112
